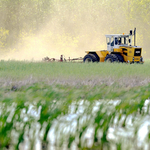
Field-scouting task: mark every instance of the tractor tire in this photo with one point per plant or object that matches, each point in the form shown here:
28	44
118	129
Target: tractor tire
98	59
115	58
120	58
90	58
111	58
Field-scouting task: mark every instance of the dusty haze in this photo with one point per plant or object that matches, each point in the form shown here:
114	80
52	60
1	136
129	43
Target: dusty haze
73	27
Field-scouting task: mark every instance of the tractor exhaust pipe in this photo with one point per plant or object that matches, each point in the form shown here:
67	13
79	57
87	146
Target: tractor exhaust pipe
130	39
134	36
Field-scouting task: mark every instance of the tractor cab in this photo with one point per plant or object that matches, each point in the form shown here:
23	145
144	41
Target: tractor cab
116	40
119	49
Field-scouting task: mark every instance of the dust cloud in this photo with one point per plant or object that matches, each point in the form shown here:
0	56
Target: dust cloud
70	30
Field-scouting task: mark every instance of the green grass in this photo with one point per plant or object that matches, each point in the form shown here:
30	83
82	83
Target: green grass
18	69
58	90
56	101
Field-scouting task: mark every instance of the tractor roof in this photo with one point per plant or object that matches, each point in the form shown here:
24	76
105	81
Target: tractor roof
117	35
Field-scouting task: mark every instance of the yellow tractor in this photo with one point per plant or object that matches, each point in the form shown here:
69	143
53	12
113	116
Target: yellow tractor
119	49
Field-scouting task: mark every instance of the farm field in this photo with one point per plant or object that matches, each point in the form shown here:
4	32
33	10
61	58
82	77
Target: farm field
74	105
70	105
25	72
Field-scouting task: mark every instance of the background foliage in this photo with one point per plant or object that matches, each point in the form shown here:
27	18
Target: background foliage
71	26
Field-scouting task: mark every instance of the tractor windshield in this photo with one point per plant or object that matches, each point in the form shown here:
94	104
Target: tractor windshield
123	40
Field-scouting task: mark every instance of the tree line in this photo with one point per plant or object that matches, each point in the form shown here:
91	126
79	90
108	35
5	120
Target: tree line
83	21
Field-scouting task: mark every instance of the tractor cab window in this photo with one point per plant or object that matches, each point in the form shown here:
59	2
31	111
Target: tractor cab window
123	41
112	41
116	41
119	41
126	39
107	41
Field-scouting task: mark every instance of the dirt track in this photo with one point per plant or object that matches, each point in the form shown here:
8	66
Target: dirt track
123	82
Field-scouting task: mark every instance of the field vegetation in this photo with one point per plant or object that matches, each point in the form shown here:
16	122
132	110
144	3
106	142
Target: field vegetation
42	71
74	105
49	106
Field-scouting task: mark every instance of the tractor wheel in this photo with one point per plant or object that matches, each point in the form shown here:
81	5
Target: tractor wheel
120	58
115	58
89	58
111	58
98	59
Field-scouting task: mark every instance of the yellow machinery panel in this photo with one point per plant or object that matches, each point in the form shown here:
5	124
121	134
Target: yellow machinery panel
136	58
101	54
118	50
128	53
